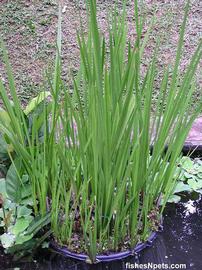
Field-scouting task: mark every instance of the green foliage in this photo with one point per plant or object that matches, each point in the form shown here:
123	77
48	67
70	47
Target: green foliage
3	149
21	229
34	103
94	162
13	183
174	199
3	187
15	219
16	213
190	178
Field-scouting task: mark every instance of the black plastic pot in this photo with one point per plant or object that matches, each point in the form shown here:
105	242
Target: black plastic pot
111	257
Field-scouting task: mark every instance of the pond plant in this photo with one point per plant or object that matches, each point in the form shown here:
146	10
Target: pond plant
189	180
86	153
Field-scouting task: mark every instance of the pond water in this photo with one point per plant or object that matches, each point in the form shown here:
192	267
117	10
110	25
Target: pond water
179	243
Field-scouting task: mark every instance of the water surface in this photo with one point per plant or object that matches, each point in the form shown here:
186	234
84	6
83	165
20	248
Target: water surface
179	243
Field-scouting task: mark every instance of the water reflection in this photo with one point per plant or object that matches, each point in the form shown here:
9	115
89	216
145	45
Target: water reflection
180	242
190	208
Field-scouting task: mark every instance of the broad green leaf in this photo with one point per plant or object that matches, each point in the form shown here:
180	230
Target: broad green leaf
199	175
8	204
13	182
20	226
38	223
23	211
25	178
27	201
3	187
36	101
194	184
198	161
20	239
174	199
187	163
199	170
4	117
3	148
26	191
181	187
189	175
1	214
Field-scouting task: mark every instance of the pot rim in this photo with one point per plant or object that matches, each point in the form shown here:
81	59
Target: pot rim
111	257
